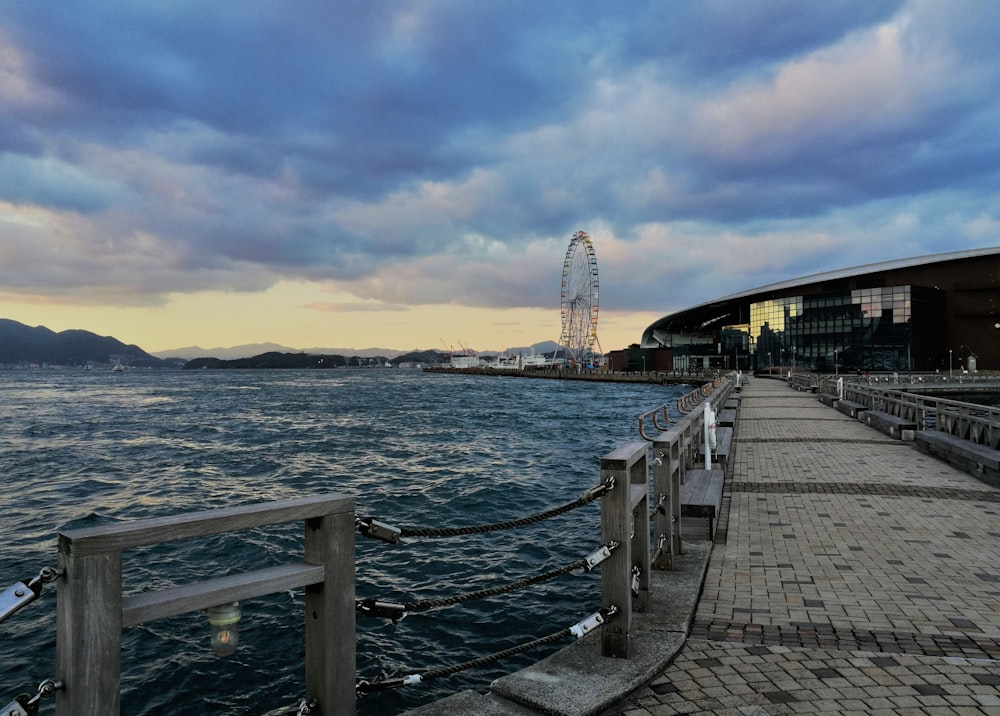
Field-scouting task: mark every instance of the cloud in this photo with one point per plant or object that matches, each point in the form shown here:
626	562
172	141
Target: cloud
444	152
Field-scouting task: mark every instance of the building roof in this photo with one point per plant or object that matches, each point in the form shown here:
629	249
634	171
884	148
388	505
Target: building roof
711	312
879	267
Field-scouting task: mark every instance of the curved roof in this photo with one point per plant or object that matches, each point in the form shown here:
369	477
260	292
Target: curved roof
704	315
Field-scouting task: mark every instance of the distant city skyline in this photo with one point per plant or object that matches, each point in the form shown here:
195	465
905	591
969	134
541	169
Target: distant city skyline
409	175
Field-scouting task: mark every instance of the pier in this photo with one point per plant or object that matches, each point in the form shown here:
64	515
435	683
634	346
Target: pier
856	574
597	376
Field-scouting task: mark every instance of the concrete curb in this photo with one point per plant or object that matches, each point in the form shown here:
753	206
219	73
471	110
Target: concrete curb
577	680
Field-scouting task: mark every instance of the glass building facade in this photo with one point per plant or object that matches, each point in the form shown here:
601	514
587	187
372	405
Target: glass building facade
924	314
857	330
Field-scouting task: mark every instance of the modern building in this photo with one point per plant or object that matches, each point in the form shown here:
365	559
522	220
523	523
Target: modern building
932	313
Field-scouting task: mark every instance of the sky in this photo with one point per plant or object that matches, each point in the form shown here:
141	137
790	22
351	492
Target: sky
409	174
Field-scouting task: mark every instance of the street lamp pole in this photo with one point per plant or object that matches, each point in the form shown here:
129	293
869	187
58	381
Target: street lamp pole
951	373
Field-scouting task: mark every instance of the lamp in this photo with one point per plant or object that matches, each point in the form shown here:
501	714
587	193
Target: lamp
224	621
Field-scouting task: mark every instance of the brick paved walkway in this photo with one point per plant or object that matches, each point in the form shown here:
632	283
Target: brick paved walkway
858	575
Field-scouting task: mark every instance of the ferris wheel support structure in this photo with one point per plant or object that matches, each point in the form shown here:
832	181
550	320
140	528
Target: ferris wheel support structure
580	303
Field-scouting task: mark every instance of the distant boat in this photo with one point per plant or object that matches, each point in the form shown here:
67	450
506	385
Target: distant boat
534	361
117	367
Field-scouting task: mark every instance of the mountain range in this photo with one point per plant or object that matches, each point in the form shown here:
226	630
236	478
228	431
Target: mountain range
22	344
255	349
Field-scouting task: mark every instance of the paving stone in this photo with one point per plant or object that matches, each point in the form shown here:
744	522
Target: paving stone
857	575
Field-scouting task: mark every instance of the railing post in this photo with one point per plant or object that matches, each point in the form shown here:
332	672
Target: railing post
330	615
621	522
641	552
668	471
88	633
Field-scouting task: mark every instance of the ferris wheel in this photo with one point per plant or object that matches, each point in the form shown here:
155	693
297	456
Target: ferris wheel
579	301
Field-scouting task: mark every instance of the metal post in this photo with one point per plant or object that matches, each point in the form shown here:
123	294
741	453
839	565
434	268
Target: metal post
668	471
709	421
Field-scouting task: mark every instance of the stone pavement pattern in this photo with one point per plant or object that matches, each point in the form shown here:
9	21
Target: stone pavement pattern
858	576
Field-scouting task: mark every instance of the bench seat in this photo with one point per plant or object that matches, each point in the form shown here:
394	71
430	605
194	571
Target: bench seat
978	460
850	408
701	496
726	418
723	444
828	399
891	425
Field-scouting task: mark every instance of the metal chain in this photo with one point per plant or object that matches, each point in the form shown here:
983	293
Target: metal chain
585	499
373	607
426	604
303	708
382	683
490	658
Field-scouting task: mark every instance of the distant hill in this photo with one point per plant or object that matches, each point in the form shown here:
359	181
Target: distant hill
275	359
21	344
250	350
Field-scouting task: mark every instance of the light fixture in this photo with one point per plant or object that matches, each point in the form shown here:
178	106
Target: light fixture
224	620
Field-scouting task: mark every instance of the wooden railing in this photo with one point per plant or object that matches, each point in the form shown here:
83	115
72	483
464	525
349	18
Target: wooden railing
91	610
625	521
674	451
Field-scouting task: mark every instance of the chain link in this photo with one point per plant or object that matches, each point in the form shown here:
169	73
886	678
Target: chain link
390	610
383	682
585	499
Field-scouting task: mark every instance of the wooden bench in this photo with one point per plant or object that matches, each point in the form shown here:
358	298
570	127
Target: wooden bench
891	425
979	460
731	404
726	418
701	496
849	407
723	443
828	399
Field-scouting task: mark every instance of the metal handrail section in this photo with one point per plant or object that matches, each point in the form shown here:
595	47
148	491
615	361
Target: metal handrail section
805	381
92	611
970	421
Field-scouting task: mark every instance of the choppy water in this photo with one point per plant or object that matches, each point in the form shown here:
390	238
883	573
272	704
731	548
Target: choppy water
417	450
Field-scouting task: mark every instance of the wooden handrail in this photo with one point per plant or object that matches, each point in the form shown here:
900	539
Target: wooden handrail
91	611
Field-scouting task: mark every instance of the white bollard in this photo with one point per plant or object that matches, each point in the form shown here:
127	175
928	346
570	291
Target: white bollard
709	434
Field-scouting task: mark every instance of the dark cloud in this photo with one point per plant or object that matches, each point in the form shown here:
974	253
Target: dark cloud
443	143
719	39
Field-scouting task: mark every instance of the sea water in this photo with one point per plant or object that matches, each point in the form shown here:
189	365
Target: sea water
415	449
